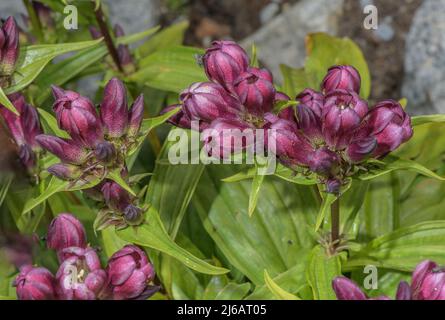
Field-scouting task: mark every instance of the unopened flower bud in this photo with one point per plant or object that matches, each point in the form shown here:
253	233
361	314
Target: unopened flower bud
343	112
77	115
224	61
105	152
66	150
180	119
403	291
65	231
133	215
10	49
114	109
135	116
342	77
360	148
346	289
428	282
323	161
65	171
116	197
255	90
35	284
129	273
208	101
390	125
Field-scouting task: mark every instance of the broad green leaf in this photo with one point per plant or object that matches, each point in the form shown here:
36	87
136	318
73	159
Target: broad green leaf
215	286
6	103
324	51
33	59
233	291
277	290
296	80
393	163
152	234
172	69
404	248
51	122
434	118
171	36
55	185
321	270
273	238
111	242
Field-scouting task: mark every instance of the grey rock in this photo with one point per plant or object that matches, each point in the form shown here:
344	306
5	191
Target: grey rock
282	39
424	83
385	31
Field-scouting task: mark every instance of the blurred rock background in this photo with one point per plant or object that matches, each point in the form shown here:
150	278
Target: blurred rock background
406	54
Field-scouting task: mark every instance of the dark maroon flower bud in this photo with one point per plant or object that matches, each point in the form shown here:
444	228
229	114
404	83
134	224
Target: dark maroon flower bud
35	284
133	215
135	116
10	50
123	51
342	77
346	289
80	276
77	115
360	148
114	109
180	119
312	99
27	156
65	231
129	273
226	137
323	161
105	152
428	282
65	171
66	150
44	15
333	186
25	127
208	101
390	125
343	112
95	32
116	197
255	90
291	147
224	61
403	291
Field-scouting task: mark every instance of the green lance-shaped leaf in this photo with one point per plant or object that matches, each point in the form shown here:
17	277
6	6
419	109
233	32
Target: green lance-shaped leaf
51	122
257	181
6	103
403	248
233	291
320	272
393	163
152	234
33	59
327	200
278	292
434	118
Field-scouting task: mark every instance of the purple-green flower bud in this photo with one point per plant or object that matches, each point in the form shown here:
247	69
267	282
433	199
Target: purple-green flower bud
35	284
67	151
133	215
403	291
65	171
10	49
360	148
342	77
333	186
208	101
77	115
129	273
105	152
116	197
313	99
135	116
80	276
44	15
390	125
346	289
224	62
343	112
65	231
114	109
323	161
255	90
27	156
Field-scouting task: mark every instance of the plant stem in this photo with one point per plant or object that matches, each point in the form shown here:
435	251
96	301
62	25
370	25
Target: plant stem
335	222
106	34
34	19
